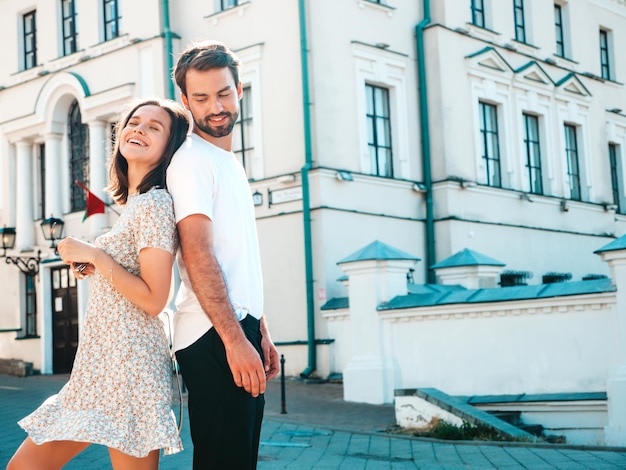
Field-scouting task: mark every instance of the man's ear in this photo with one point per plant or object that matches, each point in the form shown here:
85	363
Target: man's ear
185	101
239	91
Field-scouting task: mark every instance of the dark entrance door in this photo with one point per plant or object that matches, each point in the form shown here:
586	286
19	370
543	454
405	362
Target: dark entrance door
64	319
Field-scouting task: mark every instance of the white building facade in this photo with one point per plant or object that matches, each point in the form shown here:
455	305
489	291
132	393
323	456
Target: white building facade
431	126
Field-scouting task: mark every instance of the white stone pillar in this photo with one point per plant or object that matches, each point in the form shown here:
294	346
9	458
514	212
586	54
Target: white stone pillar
369	375
24	213
615	432
54	194
97	171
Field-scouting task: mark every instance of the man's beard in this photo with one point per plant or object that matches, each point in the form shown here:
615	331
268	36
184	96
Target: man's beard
221	131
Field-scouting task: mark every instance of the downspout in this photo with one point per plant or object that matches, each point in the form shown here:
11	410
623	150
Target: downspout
167	33
169	60
306	201
424	129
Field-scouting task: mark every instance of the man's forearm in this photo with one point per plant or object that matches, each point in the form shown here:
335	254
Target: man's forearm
209	286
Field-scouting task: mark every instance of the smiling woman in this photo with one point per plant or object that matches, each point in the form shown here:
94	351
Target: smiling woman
119	392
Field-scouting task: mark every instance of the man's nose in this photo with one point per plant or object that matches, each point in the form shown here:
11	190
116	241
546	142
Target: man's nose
215	106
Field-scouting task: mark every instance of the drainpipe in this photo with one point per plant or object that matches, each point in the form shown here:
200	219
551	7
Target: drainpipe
424	127
167	33
306	201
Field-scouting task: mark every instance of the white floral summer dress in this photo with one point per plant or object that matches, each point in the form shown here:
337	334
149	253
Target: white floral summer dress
120	390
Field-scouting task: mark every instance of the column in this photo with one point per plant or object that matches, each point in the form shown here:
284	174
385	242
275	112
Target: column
54	195
97	172
24	213
370	374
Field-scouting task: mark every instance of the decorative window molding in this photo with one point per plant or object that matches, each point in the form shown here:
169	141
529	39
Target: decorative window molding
250	76
530	88
219	13
380	67
380	6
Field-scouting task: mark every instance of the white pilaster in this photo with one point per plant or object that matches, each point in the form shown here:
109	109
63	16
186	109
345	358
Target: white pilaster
97	171
368	376
54	195
615	432
24	214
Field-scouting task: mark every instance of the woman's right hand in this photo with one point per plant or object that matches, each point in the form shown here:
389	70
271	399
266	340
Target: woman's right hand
76	252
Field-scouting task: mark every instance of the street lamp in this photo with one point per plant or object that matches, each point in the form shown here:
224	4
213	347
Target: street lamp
28	265
52	229
8	239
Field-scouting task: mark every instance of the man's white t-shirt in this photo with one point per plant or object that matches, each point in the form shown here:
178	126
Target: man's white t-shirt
205	179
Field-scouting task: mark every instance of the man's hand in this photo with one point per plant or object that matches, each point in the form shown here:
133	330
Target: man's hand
270	355
246	366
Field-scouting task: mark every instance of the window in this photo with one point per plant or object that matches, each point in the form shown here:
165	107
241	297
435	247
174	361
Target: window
42	182
518	17
573	168
615	180
533	153
478	13
243	139
30	40
111	19
559	30
30	293
379	130
490	144
79	156
226	4
70	34
605	57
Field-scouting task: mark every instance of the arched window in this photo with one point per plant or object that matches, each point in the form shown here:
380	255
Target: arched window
79	156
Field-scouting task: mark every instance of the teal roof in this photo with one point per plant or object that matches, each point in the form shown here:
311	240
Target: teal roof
619	244
499	294
432	288
379	251
467	257
336	303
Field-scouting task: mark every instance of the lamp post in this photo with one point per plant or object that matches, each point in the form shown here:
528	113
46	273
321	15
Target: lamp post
52	229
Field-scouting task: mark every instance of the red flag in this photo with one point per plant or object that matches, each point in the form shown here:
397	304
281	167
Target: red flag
95	205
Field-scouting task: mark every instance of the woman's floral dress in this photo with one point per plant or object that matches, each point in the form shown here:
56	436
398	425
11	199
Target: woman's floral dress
120	390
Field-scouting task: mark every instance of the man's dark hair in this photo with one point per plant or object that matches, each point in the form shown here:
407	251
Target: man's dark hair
204	56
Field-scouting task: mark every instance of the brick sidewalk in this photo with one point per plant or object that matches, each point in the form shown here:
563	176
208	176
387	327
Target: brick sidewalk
320	431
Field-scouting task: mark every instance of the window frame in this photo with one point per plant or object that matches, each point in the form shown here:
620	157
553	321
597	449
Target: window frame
493	163
605	55
373	118
111	33
245	153
519	21
29	39
30	306
572	157
559	30
69	19
614	166
477	8
78	141
532	145
41	159
224	5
